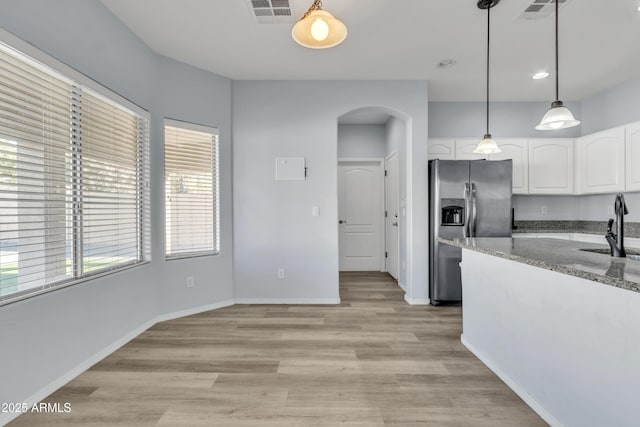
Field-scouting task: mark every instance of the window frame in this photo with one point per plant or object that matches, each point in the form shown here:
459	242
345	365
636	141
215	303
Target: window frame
215	174
48	64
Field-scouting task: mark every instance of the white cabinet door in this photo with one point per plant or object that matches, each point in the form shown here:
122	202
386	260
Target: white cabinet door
515	149
441	148
600	162
465	147
633	156
550	166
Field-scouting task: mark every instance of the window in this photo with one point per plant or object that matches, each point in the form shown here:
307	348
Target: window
191	189
73	180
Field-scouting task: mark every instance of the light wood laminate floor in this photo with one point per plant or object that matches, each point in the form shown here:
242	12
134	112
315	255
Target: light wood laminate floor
373	360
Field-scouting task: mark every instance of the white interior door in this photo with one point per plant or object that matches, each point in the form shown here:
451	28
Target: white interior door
392	219
360	213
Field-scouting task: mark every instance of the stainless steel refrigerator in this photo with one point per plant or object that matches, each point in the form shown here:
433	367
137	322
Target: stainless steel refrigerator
467	198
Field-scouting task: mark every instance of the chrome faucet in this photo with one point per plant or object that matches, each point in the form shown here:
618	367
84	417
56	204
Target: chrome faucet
616	240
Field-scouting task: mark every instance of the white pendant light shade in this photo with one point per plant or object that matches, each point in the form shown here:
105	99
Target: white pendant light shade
319	30
557	117
487	146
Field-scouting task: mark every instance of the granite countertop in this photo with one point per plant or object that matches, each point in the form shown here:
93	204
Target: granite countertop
631	229
563	256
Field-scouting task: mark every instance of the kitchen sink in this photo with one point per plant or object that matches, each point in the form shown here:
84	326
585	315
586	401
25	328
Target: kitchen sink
632	254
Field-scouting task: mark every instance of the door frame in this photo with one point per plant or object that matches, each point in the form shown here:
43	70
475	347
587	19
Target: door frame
381	165
398	261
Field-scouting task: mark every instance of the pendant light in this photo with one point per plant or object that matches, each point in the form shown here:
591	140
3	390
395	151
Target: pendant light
487	145
318	29
558	116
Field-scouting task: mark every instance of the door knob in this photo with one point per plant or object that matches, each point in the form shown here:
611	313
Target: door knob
341	221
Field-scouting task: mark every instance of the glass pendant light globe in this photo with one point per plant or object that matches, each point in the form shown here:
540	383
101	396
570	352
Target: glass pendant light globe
319	30
557	117
487	146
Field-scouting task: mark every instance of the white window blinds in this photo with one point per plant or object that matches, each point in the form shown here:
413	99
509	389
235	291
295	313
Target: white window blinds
111	194
73	180
191	189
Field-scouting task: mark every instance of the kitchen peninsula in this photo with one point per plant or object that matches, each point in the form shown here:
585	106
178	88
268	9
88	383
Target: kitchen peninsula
559	325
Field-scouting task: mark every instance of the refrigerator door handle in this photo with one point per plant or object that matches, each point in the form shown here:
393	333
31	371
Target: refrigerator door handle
467	210
474	210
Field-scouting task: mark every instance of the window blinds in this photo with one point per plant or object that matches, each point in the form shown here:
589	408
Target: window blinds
110	188
191	189
73	180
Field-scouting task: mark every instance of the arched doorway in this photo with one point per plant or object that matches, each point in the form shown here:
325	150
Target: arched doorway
372	228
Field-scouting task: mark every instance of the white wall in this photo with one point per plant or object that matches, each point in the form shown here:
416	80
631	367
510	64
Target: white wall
558	208
508	119
274	227
596	207
362	141
614	107
396	137
45	337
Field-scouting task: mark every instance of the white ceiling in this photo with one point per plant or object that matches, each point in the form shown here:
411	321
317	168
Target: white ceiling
404	40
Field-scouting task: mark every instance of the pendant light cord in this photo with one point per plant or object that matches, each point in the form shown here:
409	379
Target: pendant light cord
557	66
317	5
488	51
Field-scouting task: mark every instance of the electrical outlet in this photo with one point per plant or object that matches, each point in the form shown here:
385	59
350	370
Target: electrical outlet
190	282
543	210
281	273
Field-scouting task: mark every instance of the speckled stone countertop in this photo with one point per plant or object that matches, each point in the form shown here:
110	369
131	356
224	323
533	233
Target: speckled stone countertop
563	256
631	229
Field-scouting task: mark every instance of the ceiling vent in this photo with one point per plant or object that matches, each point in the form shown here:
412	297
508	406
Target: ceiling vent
272	11
540	9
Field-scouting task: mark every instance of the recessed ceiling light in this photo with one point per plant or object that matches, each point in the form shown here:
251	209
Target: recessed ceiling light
447	63
540	75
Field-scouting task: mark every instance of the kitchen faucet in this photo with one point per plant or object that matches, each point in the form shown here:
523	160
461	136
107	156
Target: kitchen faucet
616	241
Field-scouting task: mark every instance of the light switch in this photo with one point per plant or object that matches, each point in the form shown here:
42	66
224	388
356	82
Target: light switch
315	211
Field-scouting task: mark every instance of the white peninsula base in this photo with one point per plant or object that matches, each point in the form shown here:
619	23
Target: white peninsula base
569	347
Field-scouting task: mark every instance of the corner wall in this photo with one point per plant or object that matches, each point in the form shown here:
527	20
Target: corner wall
274	226
47	337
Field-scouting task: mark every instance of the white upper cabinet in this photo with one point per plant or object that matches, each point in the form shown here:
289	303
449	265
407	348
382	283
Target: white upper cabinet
600	162
465	147
633	156
550	166
441	148
515	149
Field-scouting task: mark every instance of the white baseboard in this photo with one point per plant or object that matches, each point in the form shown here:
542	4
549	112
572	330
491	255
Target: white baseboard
77	370
415	301
87	363
195	310
292	301
5	418
402	286
528	399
